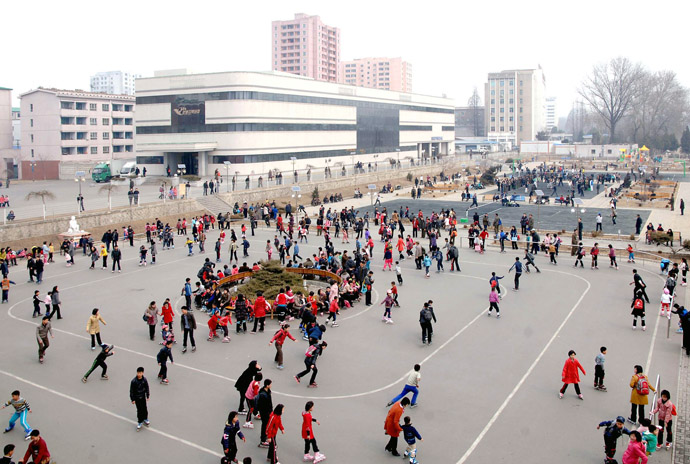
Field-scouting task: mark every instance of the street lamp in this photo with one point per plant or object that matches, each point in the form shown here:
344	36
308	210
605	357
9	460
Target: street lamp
227	175
539	194
398	151
79	177
372	188
296	189
293	159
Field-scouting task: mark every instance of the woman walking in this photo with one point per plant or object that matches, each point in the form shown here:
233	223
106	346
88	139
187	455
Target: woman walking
639	396
571	375
55	300
275	423
168	314
151	318
93	327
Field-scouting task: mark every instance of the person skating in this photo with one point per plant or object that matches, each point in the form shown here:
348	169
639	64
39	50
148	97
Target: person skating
613	431
639	395
188	326
666	299
594	253
244	381
308	434
635	453
517	265
93	328
612	257
640	286
279	338
275	423
6	288
37	450
264	404
21	408
392	427
232	430
493	303
139	395
37	304
411	435
251	395
42	331
638	310
162	358
426	315
494	283
571	375
599	371
412	385
580	253
106	350
389	301
310	357
529	261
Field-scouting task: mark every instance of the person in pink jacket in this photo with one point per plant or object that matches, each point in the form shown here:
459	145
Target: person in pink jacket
571	375
664	408
635	450
493	302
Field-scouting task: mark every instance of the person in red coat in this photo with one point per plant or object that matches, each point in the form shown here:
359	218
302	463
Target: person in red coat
392	425
167	313
37	450
571	375
275	423
260	309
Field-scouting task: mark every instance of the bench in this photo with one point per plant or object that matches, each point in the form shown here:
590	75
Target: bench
314	272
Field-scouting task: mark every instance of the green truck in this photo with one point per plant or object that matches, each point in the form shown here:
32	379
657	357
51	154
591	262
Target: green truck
101	173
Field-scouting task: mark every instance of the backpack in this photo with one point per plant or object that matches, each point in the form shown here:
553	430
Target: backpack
639	304
426	315
642	386
310	351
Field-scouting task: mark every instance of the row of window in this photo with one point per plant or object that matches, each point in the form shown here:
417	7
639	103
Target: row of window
94	150
266	96
502	128
69	105
93	136
71	120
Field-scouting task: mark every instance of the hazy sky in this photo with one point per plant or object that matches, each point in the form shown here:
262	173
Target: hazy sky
452	45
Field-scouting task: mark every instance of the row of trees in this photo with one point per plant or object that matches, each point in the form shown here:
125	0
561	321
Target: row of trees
625	102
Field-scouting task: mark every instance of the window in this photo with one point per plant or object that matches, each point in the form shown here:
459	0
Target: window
93	121
32	138
520	128
117	107
520	83
512	82
502	110
93	136
32	152
520	91
94	150
67	105
81	105
511	101
493	118
106	150
511	109
93	106
502	101
129	107
81	150
493	110
106	107
106	135
511	128
31	107
493	101
503	128
501	119
511	119
32	123
106	121
157	159
521	109
493	128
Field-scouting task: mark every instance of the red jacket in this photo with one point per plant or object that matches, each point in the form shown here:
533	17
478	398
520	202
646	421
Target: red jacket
260	307
307	430
392	424
570	374
167	313
333	308
38	450
280	335
281	299
274	424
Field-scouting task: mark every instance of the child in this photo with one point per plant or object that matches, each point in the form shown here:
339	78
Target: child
388	302
394	291
493	302
552	253
650	437
398	272
599	369
48	301
166	335
612	257
107	350
638	311
142	255
333	312
6	289
251	394
570	374
37	305
411	436
190	245
631	254
666	410
279	338
594	252
232	429
21	407
635	450
493	282
612	432
162	359
269	249
438	255
308	434
427	265
666	303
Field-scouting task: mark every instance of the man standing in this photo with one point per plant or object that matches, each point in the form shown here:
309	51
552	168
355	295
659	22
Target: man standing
116	255
139	395
517	265
580	226
638	225
392	425
426	315
600	220
187	292
453	253
369	283
264	404
412	385
640	286
188	323
42	331
682	206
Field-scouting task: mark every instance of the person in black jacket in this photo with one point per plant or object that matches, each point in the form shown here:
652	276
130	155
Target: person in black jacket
232	429
241	313
264	404
116	255
107	350
426	315
188	323
310	357
163	355
244	380
139	395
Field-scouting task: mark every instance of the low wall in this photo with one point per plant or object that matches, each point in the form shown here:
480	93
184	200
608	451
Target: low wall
87	221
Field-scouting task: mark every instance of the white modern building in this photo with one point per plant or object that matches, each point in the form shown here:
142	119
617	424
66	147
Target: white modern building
62	127
515	102
16	128
260	120
551	114
8	154
114	82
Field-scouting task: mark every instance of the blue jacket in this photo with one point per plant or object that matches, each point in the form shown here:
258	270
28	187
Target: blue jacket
427	261
187	289
410	434
518	267
231	430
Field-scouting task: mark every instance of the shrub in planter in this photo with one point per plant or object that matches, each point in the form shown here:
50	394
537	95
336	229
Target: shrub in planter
270	279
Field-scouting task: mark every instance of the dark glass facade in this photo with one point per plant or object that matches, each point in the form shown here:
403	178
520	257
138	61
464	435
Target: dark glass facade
242	127
378	129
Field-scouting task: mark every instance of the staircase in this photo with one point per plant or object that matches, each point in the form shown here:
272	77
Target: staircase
214	204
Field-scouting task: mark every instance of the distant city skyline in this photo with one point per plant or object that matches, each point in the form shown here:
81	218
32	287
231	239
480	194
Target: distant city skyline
449	57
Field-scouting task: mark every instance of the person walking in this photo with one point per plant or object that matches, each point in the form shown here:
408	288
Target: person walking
42	331
517	265
426	315
55	301
232	430
21	408
93	327
104	255
244	381
106	351
275	423
639	395
188	326
151	319
571	375
264	404
164	354
279	338
116	256
139	395
312	353
392	427
187	292
412	385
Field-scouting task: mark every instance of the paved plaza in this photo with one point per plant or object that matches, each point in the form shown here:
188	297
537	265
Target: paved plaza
488	391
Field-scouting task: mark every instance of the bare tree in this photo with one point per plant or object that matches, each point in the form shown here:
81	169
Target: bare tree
474	103
43	195
611	89
110	188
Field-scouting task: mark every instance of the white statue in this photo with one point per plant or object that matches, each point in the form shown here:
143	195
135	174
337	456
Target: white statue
73	226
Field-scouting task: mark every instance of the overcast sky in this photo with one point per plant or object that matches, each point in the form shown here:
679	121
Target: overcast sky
452	45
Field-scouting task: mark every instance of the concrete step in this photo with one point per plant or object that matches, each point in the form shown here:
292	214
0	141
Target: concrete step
214	204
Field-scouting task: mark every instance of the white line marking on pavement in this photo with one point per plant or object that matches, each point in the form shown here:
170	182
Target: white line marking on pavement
111	414
505	403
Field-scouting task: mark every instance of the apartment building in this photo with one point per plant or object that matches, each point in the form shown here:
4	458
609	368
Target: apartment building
114	82
551	115
378	73
515	106
59	127
305	46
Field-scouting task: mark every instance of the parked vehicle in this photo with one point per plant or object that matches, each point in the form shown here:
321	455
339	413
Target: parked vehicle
101	173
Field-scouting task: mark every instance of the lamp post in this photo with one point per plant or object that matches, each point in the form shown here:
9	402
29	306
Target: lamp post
540	194
79	177
398	152
227	175
296	195
294	173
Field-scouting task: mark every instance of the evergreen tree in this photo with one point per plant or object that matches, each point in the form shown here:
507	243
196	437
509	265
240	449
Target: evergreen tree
685	140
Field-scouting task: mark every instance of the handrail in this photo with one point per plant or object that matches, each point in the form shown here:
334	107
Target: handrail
317	272
653	405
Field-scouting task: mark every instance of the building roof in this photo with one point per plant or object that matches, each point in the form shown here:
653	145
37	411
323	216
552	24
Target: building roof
15	109
5	88
78	93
